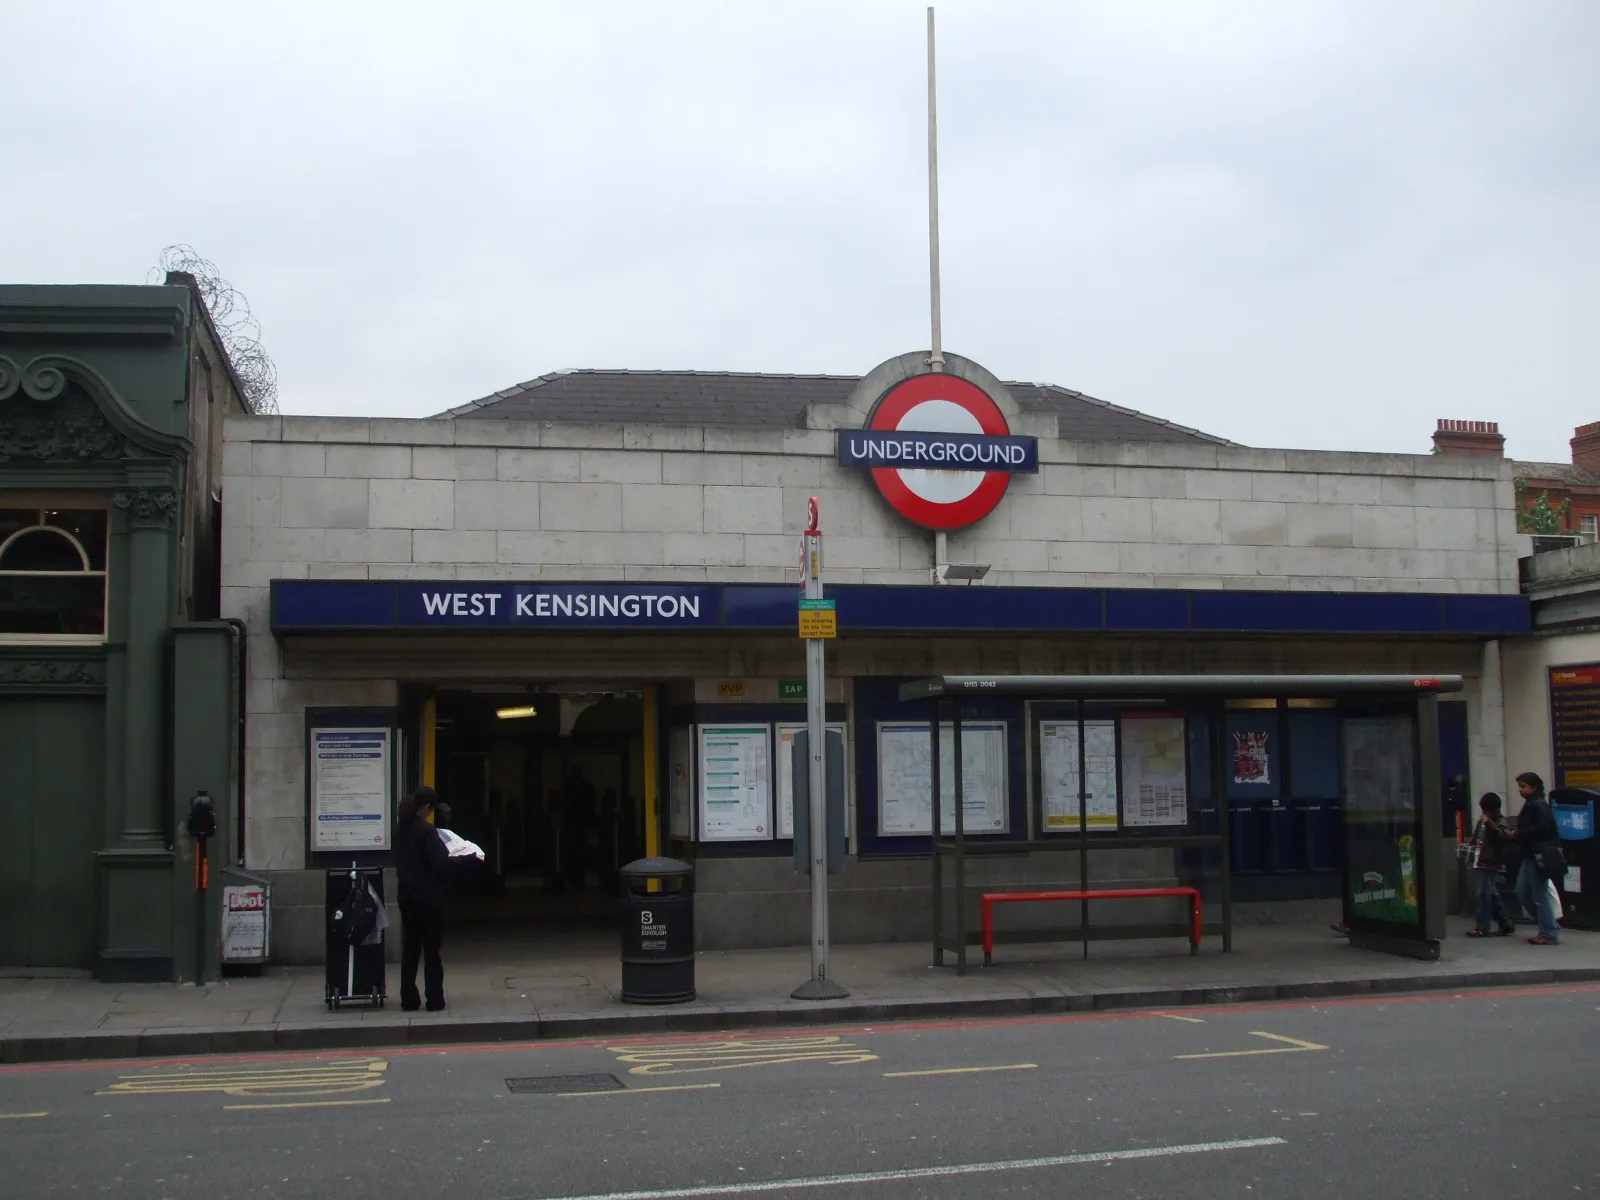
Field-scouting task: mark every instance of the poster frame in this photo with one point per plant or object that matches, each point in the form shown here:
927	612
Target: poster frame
385	718
1563	771
1419	937
1036	723
968	725
701	836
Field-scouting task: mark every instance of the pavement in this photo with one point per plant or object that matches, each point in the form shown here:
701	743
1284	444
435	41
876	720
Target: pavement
569	988
1478	1093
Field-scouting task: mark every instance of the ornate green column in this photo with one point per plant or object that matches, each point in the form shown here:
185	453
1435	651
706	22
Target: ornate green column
137	864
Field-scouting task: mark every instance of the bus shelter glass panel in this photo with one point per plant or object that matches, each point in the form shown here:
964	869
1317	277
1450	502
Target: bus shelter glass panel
1382	822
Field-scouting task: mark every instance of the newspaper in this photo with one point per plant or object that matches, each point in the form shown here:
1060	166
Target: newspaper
459	847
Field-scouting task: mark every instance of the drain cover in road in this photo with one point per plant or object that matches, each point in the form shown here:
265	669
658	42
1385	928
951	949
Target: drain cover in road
548	1084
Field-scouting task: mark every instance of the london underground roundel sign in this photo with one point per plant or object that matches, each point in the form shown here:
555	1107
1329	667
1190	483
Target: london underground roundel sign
939	450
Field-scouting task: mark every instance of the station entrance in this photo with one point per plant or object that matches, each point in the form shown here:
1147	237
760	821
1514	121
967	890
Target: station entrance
551	783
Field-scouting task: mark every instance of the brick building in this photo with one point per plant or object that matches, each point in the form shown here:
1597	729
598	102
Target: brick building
1572	489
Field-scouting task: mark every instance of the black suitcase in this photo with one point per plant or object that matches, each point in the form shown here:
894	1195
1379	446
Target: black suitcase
355	973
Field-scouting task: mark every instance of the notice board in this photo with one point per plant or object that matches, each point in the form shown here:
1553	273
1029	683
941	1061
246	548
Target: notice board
1575	725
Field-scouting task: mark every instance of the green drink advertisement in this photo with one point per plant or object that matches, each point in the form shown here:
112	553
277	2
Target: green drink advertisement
1384	887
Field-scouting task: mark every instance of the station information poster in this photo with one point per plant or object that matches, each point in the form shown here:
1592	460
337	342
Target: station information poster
350	785
905	778
1058	761
785	773
1575	724
735	783
1155	775
680	786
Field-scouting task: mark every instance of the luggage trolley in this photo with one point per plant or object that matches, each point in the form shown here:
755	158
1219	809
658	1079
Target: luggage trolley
355	937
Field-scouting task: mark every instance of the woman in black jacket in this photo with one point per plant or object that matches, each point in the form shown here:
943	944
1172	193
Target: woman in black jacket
420	859
1536	833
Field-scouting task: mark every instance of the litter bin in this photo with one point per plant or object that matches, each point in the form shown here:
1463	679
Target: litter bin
1574	810
657	932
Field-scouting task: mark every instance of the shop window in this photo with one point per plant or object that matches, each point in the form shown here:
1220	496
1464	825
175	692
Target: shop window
52	574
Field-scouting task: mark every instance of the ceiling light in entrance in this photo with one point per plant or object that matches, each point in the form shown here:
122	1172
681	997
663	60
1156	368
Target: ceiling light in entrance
513	714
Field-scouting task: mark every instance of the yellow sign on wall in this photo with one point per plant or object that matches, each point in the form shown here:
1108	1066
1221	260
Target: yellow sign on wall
730	689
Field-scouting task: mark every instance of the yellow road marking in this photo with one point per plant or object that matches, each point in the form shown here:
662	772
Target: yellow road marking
673	1087
303	1104
1294	1046
960	1070
693	1057
1176	1017
343	1076
21	1116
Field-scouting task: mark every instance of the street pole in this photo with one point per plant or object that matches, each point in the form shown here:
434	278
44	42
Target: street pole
202	880
820	986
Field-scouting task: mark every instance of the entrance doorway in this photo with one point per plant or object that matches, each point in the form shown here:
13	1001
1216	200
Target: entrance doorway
550	783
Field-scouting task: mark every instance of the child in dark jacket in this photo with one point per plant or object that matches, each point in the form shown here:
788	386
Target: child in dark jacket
1490	837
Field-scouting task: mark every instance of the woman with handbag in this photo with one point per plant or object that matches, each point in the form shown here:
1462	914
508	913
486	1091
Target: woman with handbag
1540	842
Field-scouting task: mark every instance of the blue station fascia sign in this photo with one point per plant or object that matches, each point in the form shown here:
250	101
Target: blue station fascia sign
558	605
348	606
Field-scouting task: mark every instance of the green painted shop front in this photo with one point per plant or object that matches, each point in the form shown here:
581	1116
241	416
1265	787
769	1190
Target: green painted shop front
53	748
116	680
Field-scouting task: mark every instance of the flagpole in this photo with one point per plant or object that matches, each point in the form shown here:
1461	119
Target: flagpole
936	359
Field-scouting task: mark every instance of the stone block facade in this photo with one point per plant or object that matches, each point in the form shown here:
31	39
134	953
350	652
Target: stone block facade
318	498
325	497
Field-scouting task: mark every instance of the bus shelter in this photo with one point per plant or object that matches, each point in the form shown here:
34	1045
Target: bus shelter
1120	763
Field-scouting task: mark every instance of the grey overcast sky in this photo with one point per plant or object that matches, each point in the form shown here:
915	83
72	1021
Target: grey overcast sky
1309	224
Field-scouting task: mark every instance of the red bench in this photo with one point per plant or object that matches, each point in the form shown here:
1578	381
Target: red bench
990	899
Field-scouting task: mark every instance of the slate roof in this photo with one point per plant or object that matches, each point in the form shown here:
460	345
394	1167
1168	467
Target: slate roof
748	400
1562	473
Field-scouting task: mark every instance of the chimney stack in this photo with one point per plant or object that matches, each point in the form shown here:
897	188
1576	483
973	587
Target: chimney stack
1586	447
1480	439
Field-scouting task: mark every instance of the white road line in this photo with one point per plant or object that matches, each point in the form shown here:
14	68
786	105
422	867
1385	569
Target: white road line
1013	1164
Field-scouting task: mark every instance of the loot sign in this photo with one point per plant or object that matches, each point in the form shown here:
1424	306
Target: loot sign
939	450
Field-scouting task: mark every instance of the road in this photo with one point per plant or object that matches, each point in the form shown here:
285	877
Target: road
1492	1093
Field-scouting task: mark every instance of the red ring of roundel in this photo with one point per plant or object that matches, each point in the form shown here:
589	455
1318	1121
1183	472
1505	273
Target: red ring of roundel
898	401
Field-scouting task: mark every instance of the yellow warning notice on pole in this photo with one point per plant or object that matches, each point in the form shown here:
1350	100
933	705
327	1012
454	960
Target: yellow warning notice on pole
818	619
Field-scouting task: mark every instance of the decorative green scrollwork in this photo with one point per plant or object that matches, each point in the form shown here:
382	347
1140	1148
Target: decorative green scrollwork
50	673
62	425
148	509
